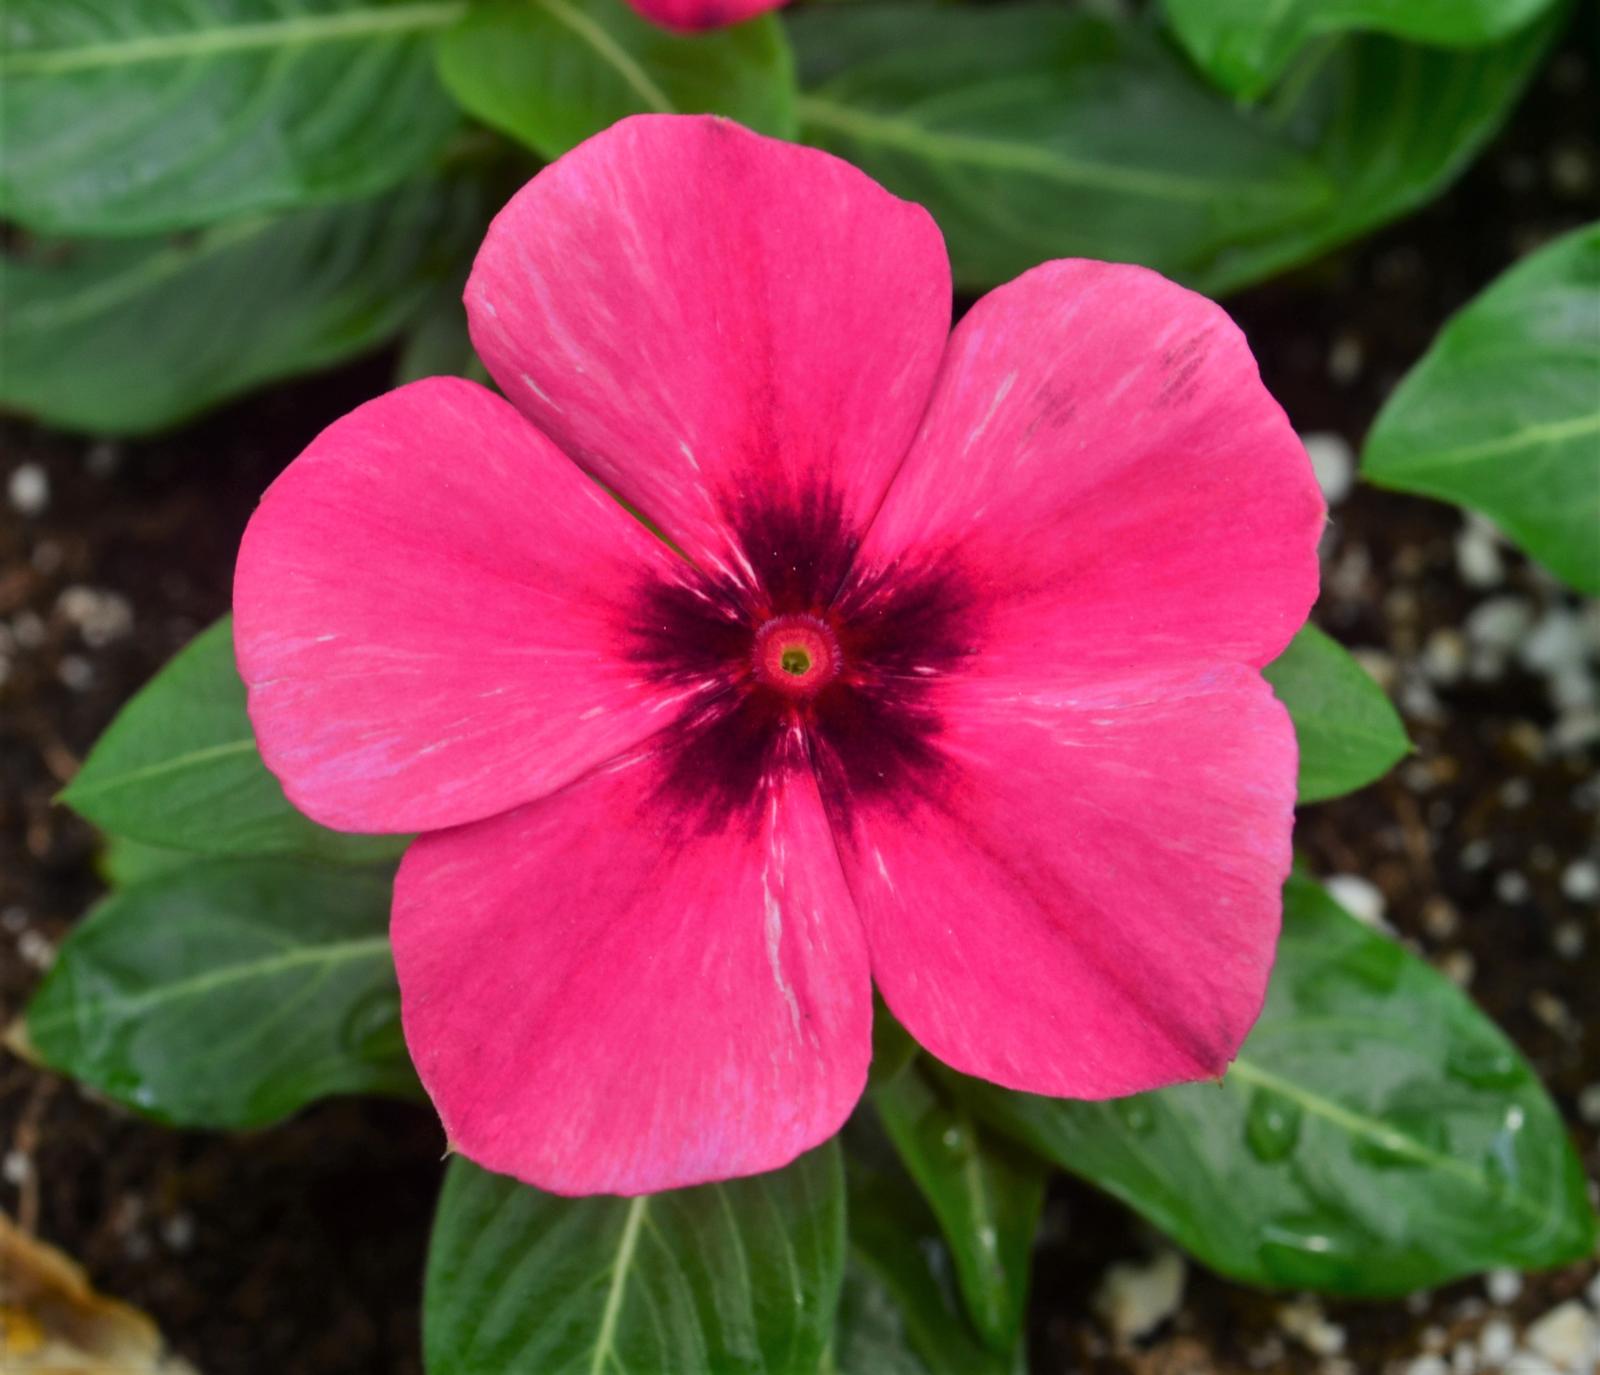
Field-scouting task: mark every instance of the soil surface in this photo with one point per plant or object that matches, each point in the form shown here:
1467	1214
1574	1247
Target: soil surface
298	1250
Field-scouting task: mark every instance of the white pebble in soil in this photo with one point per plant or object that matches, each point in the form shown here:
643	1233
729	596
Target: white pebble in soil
1478	558
1134	1299
1503	1286
1305	1321
1444	656
1334	463
1512	888
1568	1337
1580	880
28	489
15	1169
1360	897
36	949
76	672
1500	623
99	617
1428	1365
1496	1342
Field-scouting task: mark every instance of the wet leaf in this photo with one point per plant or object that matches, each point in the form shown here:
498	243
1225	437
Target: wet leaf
229	994
985	1192
901	1310
1376	1135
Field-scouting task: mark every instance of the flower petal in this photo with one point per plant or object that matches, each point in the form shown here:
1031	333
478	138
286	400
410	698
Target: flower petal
702	317
1100	450
694	15
618	989
431	615
1083	898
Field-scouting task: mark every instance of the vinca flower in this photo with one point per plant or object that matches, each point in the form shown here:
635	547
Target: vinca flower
941	674
695	15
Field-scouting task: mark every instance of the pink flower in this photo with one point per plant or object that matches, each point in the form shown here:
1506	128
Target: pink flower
952	687
694	15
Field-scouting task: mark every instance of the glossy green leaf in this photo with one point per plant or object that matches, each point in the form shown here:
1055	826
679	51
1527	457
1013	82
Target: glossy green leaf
1245	45
552	72
1034	132
179	769
138	116
1389	125
986	1193
1348	733
901	1310
229	993
1377	1133
735	1277
1503	412
129	336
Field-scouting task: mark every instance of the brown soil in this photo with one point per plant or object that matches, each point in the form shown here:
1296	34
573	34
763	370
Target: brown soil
298	1250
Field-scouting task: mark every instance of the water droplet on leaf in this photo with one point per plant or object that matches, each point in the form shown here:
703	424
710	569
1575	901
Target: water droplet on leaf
1271	1125
1483	1067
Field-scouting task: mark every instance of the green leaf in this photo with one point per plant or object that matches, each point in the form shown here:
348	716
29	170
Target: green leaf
130	336
552	72
1503	412
901	1311
438	344
179	769
1348	733
1033	132
1376	1135
1245	45
1390	125
985	1192
122	861
742	1276
135	118
229	994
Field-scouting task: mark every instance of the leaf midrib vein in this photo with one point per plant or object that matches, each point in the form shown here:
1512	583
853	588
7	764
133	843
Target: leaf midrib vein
96	788
1044	162
335	952
611	51
1357	1124
299	31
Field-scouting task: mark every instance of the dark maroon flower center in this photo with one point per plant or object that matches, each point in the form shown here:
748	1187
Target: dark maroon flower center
806	660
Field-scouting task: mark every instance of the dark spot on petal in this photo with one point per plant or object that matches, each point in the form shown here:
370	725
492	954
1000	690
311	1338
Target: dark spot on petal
1180	364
